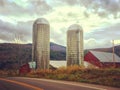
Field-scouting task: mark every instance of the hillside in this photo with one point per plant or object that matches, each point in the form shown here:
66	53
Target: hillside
56	47
12	54
57	52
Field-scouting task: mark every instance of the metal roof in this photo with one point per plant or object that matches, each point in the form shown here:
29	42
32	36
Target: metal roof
105	56
41	21
75	27
58	64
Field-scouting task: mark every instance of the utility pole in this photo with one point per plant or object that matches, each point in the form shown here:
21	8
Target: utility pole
78	47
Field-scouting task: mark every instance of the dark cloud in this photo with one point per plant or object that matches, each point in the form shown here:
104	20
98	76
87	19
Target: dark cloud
1	2
102	7
111	5
71	2
108	33
38	7
23	30
10	8
9	31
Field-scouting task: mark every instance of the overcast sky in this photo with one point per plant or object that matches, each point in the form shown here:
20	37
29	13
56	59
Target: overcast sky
100	20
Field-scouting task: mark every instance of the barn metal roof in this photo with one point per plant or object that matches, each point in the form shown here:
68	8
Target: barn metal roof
105	56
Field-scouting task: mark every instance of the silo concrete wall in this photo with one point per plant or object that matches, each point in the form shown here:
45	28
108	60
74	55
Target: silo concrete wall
75	47
41	45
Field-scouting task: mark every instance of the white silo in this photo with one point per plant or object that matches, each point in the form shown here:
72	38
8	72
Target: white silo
74	49
41	43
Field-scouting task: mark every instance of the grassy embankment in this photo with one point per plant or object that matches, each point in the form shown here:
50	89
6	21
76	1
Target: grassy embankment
8	73
109	77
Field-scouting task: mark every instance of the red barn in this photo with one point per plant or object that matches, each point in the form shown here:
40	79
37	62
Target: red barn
102	59
24	69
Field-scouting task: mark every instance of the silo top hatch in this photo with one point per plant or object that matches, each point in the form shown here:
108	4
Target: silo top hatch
75	27
41	21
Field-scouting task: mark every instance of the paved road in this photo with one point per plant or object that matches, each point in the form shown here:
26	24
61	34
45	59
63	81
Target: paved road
22	83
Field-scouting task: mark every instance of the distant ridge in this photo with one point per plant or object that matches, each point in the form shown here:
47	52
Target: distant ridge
11	53
56	47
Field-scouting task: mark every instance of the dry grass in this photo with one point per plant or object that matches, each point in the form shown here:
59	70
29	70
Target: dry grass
6	73
109	77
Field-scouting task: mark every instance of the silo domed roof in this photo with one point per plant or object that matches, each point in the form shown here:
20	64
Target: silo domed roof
41	21
75	27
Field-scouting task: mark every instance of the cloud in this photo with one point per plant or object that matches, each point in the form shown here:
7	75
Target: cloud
90	43
94	26
95	43
22	30
99	19
107	33
101	7
58	36
102	37
17	8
